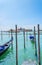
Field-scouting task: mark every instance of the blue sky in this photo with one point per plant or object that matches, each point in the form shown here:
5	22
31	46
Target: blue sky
24	13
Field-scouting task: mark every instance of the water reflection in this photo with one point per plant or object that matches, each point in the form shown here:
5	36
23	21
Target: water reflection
32	41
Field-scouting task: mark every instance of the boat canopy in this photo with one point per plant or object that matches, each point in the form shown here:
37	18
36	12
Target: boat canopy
31	37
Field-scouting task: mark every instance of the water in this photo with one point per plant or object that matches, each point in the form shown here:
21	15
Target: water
9	57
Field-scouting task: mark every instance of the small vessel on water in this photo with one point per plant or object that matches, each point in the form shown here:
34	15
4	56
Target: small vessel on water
4	47
32	38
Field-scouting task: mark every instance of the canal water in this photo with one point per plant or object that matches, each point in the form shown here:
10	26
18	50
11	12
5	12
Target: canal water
9	57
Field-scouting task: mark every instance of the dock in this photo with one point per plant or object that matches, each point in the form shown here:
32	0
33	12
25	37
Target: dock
30	62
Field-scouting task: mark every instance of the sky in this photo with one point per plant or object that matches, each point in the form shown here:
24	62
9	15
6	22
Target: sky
24	13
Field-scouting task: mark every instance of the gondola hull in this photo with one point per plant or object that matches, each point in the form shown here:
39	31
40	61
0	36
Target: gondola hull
1	53
4	47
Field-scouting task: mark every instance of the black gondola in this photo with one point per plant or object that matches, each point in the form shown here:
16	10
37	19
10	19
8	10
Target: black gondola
4	47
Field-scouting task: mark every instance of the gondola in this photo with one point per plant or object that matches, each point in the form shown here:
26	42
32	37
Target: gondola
31	38
4	47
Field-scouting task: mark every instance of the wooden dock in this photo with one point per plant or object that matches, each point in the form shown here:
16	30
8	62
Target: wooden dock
30	62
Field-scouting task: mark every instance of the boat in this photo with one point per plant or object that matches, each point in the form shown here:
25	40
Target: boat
4	47
32	38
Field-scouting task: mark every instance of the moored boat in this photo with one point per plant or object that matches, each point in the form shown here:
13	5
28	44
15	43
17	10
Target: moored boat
32	38
4	47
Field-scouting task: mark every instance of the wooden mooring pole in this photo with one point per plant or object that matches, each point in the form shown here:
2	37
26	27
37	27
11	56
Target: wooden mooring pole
39	46
24	37
16	47
11	33
1	36
12	41
35	41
